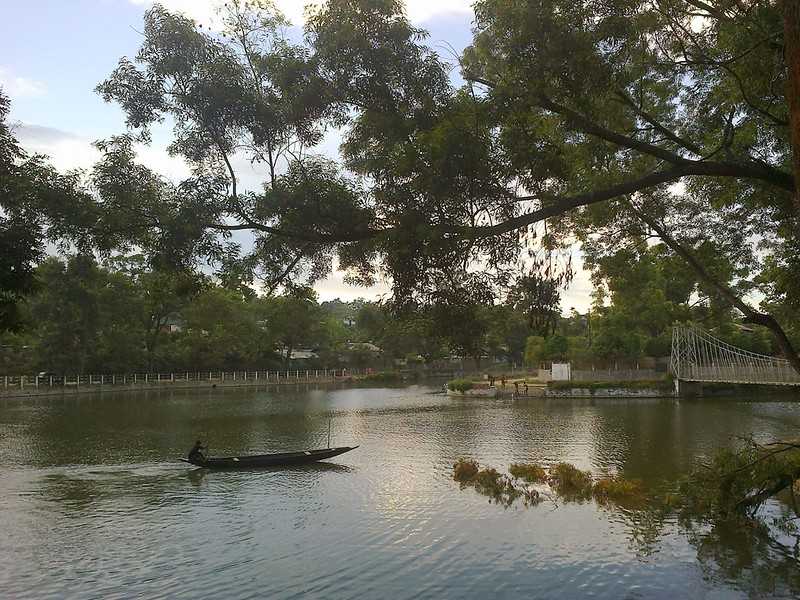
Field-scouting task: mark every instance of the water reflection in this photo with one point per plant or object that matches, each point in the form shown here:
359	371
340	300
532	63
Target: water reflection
97	504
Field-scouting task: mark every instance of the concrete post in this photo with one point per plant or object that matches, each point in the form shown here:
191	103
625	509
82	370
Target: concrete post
36	382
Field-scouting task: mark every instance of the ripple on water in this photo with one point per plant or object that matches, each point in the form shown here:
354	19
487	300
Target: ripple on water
88	513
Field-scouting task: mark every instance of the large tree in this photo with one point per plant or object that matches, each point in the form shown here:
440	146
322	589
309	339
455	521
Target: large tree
665	118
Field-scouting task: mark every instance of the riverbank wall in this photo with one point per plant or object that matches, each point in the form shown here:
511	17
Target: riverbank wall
759	392
579	391
609	392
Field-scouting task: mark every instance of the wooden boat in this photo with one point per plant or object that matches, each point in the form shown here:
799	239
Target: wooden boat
270	460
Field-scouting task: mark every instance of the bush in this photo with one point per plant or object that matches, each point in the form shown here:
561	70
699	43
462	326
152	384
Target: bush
384	377
658	384
532	473
464	470
459	385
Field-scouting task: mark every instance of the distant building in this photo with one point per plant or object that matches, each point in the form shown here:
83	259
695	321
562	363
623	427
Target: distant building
366	346
173	325
303	354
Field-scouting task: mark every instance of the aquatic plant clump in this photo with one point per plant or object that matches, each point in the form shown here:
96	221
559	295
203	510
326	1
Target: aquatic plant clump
460	385
497	486
617	489
565	480
532	473
568	480
465	470
489	482
488	479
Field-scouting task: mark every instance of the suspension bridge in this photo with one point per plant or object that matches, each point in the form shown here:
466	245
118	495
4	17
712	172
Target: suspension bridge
698	356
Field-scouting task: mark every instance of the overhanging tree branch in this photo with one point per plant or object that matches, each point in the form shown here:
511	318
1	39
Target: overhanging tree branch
555	207
690	146
579	122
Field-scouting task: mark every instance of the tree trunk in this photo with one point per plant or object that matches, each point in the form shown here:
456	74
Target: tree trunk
791	41
288	355
151	340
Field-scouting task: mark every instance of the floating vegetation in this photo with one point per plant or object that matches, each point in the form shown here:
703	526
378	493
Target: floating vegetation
465	470
500	488
570	482
565	480
532	473
617	489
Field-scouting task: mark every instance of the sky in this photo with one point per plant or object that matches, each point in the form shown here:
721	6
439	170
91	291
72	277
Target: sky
53	53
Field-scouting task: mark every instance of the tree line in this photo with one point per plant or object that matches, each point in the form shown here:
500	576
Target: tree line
120	316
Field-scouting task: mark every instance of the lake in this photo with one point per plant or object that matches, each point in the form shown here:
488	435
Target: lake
95	504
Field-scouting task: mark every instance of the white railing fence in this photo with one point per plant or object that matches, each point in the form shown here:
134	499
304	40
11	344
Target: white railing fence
198	377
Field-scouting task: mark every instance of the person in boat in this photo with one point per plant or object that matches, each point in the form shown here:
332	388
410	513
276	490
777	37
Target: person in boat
196	453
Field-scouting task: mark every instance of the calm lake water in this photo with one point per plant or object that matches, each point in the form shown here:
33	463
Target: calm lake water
94	504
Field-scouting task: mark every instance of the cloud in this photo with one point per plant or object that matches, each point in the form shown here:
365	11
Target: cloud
20	87
68	150
334	286
420	11
204	11
578	294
